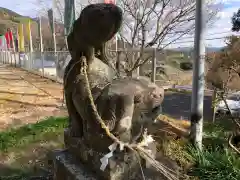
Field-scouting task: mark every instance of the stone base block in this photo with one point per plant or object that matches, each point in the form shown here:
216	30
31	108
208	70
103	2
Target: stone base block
66	167
123	165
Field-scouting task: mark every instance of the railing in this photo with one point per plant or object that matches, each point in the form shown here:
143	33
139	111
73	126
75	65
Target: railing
47	64
51	64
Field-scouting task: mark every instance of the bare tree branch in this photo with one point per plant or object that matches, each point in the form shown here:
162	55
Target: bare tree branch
151	24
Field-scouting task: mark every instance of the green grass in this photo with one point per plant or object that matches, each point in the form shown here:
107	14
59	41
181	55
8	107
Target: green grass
215	164
217	160
29	143
32	133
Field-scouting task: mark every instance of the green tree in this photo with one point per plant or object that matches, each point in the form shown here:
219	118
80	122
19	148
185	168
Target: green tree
236	21
3	28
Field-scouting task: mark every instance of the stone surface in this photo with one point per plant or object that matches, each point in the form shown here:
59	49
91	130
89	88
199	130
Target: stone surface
121	103
123	165
79	162
66	167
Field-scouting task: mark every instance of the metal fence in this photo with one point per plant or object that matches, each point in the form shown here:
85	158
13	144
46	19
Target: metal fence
51	64
47	64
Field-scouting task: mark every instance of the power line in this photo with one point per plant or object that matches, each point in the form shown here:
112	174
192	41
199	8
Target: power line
208	39
207	35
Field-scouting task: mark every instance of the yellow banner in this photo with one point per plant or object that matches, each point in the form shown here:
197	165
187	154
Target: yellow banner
29	35
29	30
20	38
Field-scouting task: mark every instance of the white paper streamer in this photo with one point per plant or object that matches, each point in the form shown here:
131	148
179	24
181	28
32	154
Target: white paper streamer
104	159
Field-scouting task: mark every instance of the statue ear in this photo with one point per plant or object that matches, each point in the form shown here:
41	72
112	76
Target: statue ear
138	98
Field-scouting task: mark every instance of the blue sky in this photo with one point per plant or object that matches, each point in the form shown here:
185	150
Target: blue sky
220	29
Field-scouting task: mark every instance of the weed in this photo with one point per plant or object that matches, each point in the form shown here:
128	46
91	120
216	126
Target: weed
27	134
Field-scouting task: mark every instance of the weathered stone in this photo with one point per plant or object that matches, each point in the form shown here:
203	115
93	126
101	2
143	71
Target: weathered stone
66	167
123	165
125	105
97	24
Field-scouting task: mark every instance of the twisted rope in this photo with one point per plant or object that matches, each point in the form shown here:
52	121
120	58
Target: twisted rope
136	148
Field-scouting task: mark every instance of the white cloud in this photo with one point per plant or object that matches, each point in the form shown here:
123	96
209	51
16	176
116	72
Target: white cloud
219	30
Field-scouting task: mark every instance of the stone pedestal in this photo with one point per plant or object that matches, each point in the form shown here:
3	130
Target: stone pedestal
122	165
66	167
81	162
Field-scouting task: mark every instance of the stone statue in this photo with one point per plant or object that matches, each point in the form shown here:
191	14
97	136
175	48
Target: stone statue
96	20
126	105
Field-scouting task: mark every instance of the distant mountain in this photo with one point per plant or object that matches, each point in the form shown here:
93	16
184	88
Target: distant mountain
9	19
214	49
4	12
190	49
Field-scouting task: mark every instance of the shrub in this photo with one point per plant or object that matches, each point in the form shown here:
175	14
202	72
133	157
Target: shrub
186	66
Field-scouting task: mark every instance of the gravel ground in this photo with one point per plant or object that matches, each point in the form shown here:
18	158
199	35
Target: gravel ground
27	98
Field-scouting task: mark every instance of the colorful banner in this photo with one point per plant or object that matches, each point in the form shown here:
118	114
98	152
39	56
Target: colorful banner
29	30
69	15
110	1
3	44
29	35
7	37
20	38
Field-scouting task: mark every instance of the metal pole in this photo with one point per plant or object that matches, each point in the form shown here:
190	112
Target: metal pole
198	77
213	107
10	54
56	63
42	63
41	45
154	59
40	34
118	63
138	44
54	34
116	36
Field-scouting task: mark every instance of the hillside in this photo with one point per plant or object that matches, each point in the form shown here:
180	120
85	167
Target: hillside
8	20
190	49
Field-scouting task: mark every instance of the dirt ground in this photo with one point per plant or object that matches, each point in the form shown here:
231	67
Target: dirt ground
27	98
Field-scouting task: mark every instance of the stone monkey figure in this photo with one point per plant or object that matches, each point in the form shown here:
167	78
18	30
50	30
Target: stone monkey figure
121	102
97	24
128	105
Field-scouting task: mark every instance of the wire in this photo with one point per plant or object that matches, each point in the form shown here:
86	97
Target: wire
192	37
208	39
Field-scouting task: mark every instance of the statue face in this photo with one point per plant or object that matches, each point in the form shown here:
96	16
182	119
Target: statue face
101	21
151	107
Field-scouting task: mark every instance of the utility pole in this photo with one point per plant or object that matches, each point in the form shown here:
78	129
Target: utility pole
138	44
40	33
198	76
41	43
116	36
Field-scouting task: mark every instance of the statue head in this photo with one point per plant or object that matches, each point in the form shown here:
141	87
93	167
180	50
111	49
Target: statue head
149	101
98	23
